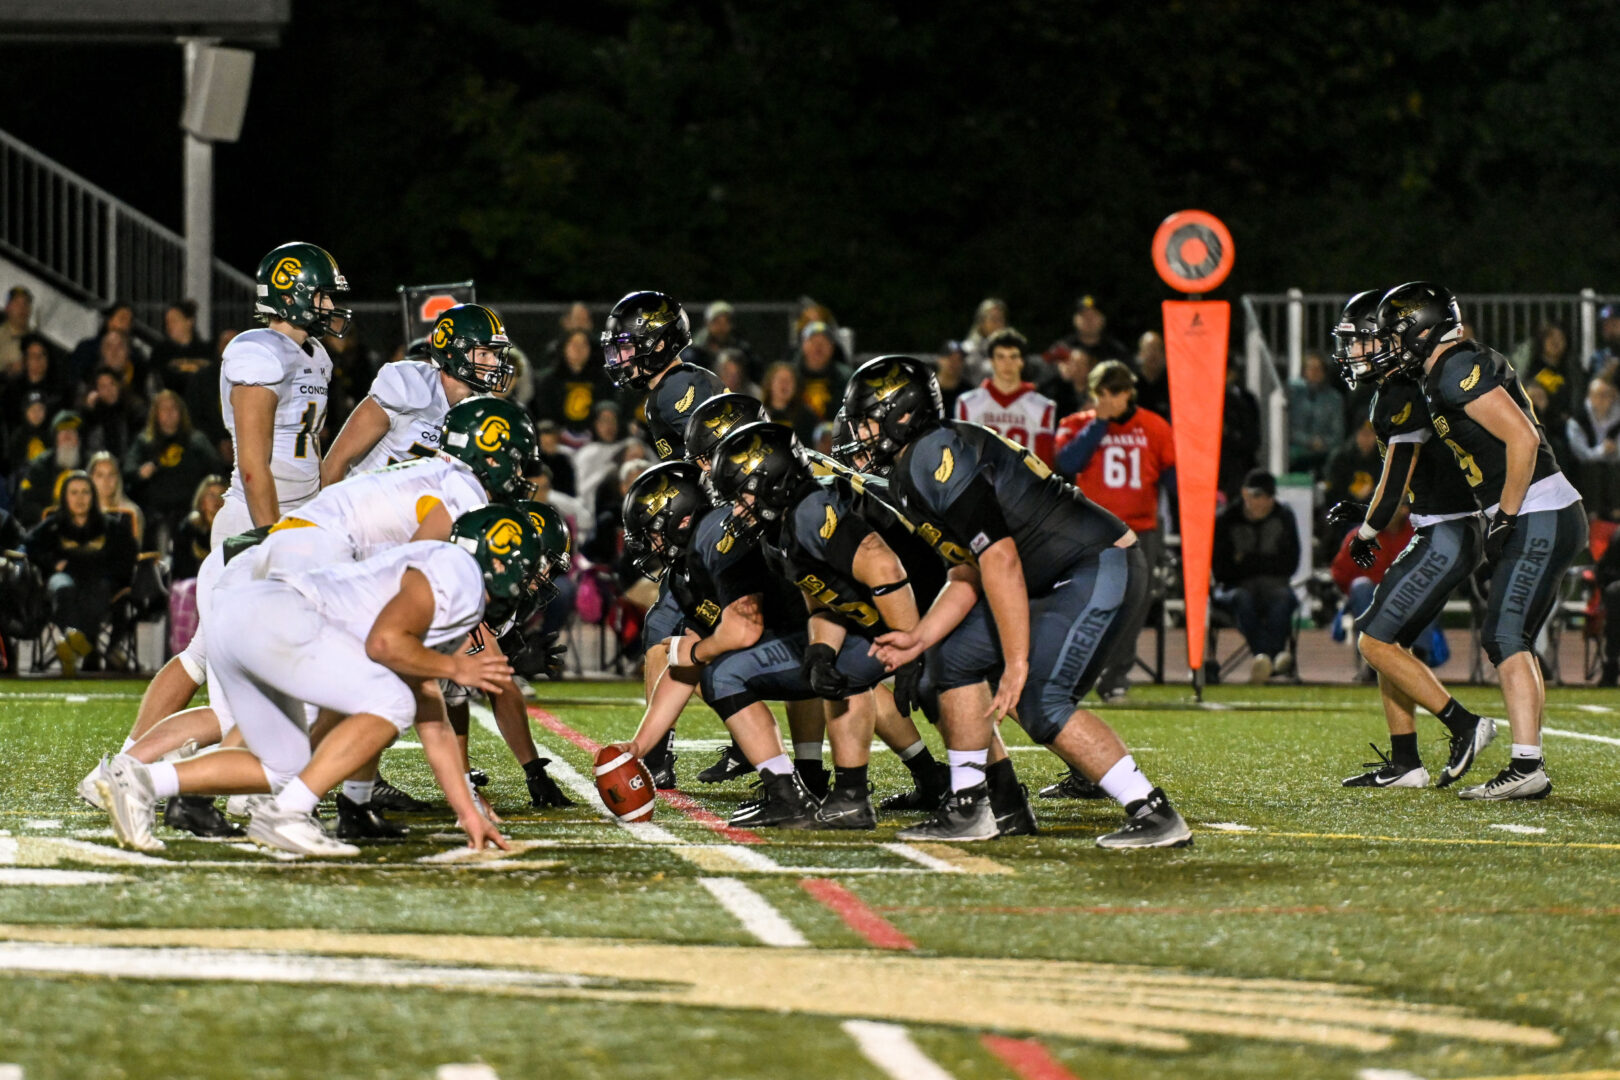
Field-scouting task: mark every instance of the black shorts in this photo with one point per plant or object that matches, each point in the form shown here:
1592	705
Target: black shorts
770	671
1525	582
1421	579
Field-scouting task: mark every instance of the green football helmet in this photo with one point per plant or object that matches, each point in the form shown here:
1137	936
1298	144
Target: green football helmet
508	549
556	550
496	438
289	280
462	330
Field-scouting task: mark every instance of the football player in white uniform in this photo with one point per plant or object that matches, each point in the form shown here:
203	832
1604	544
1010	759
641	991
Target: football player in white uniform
365	640
400	419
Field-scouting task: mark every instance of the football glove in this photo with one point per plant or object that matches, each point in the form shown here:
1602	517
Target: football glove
534	657
543	790
1497	536
1347	512
820	670
908	686
1363	552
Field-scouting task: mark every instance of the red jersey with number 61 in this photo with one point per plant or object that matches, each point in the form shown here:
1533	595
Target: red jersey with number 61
1123	474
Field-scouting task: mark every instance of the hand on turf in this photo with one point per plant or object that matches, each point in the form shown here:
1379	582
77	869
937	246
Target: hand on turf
1363	552
896	648
1009	691
1347	512
484	671
481	832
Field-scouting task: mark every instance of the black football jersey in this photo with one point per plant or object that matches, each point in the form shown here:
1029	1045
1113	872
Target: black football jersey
878	506
1437	487
1464	374
972	487
670	405
733	571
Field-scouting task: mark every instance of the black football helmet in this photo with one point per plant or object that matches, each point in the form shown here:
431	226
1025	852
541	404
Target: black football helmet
897	398
713	420
763	460
1358	324
644	334
661	511
1415	318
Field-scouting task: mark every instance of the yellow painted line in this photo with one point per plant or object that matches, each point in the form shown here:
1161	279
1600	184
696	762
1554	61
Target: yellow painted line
1594	1074
962	860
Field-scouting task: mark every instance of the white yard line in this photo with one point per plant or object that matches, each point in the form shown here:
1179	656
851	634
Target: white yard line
889	1047
754	912
11	1072
470	1071
1580	735
922	858
52	878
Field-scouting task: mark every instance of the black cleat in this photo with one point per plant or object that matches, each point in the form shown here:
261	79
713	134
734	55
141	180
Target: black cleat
787	804
478	778
815	776
1150	822
197	815
1464	749
1073	786
361	821
1387	773
963	815
661	762
749	809
730	765
1014	815
385	796
543	790
932	788
847	808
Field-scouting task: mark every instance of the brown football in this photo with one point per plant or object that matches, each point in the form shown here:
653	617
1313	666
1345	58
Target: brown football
624	783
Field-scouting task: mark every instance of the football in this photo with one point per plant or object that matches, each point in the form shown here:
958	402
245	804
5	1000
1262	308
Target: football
624	783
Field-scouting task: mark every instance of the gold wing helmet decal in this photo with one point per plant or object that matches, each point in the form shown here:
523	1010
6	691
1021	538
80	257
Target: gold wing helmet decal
686	400
947	465
751	458
655	501
830	526
885	384
653	320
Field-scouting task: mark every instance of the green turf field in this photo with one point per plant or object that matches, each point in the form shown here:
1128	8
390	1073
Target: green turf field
1310	932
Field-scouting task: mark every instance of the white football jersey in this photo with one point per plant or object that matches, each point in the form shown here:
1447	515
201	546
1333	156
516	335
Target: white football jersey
381	510
1025	417
412	394
269	358
351	596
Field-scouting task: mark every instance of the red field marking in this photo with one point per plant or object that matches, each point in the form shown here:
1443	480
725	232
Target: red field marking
1302	909
1026	1057
684	803
878	931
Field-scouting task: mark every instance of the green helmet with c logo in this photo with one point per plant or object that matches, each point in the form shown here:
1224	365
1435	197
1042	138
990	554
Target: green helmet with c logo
461	330
289	279
507	548
496	438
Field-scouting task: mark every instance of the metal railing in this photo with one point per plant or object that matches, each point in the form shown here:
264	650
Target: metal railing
96	246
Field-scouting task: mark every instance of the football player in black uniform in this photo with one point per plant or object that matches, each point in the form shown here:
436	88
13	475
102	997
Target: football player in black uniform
1442	555
1537	524
642	342
1044	581
855	586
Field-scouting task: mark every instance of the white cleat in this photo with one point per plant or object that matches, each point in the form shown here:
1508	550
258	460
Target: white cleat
242	806
126	788
300	834
87	788
1511	784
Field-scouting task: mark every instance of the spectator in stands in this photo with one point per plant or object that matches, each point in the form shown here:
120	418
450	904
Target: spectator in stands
111	420
1068	382
353	367
42	479
1256	553
1090	332
181	354
1240	432
1315	416
572	509
203	406
558	459
607	535
950	369
1606	361
86	355
36	375
733	368
575	319
823	370
811	310
193	539
120	359
165	464
569	393
1352	473
1551	367
718	334
1593	436
118	507
85	559
1153	383
18	324
988	318
27	439
780	395
1119	454
597	459
1006	404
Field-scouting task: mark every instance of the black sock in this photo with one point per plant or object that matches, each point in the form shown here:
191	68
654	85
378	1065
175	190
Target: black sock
1000	777
809	767
921	763
851	777
1403	749
1458	720
1523	765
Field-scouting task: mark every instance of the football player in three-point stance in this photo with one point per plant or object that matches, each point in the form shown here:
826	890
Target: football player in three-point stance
1441	556
1536	523
642	341
1044	582
364	640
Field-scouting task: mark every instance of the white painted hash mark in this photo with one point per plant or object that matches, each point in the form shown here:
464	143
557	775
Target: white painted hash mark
470	1071
11	1072
1580	735
1228	826
889	1047
754	912
1387	1074
52	878
1527	830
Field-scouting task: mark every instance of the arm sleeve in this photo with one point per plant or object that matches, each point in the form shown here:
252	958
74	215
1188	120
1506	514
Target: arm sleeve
1076	454
1397	465
250	364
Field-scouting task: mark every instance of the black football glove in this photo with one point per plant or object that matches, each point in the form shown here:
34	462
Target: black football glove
820	670
1363	552
908	686
1497	536
1346	512
534	657
543	790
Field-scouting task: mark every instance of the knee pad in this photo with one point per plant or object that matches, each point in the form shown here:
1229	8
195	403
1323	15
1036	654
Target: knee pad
727	707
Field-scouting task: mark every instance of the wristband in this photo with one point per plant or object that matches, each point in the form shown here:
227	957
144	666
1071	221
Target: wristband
674	647
1366	532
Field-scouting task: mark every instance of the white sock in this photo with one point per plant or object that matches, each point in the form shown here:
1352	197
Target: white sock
780	765
1125	782
297	798
1526	750
913	750
128	742
359	791
807	751
165	781
967	767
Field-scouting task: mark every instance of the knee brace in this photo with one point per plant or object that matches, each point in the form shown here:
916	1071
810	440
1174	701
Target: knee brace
727	707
